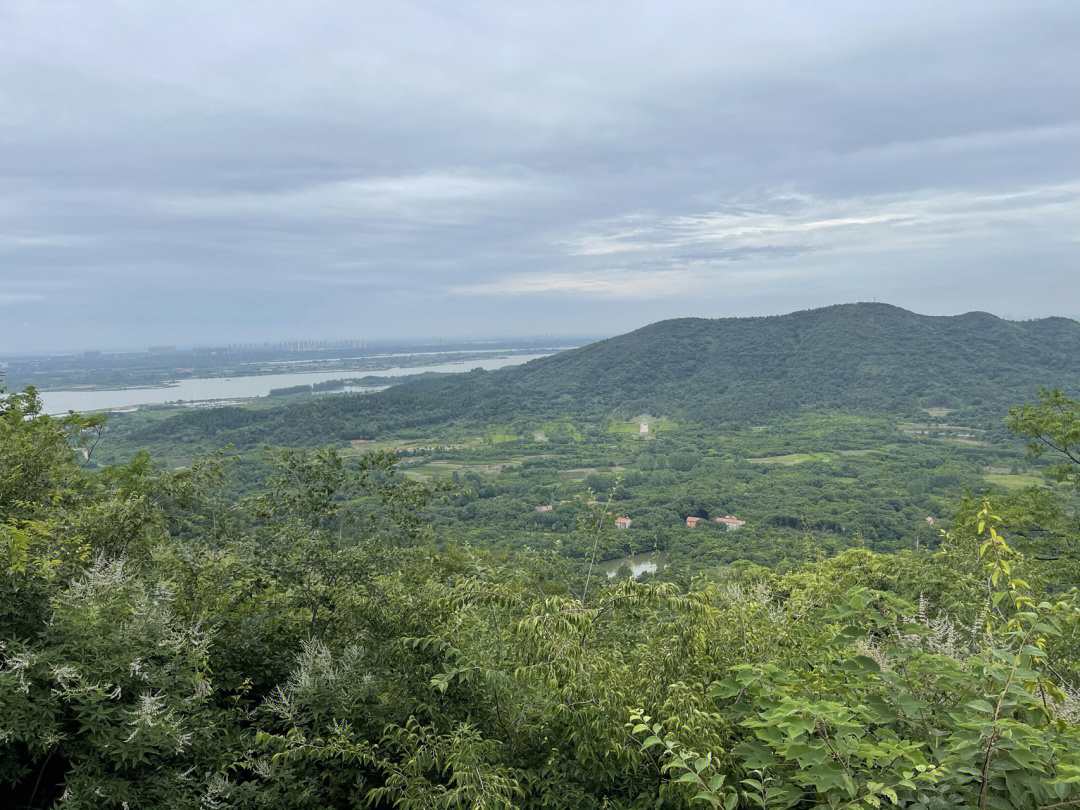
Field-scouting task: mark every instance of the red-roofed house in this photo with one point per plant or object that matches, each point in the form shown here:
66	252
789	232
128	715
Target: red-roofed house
692	521
622	523
730	522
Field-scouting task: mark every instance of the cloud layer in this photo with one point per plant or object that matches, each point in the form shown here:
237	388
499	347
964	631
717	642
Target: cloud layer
223	173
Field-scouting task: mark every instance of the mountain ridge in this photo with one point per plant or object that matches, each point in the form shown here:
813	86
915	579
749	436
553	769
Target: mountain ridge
867	357
844	339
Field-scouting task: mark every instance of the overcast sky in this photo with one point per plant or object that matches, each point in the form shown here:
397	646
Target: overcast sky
203	172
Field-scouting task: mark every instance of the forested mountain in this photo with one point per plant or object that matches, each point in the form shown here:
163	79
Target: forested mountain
730	370
857	355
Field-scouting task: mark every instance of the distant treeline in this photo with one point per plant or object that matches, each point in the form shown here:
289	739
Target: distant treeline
370	381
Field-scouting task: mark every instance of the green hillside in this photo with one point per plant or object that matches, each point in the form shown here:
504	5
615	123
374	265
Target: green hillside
863	357
858	355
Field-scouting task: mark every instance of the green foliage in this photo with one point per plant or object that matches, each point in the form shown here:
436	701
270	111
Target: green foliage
315	643
1052	426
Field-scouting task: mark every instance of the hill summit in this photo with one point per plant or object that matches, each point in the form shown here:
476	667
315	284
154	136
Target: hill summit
870	357
851	355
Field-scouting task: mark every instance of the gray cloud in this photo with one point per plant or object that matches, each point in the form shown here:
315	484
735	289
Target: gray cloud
219	172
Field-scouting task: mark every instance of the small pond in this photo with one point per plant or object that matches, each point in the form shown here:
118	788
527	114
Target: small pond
647	562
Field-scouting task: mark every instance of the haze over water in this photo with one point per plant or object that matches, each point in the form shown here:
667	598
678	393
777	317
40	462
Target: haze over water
211	389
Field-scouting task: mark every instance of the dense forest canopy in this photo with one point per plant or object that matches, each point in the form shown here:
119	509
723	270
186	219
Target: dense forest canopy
314	643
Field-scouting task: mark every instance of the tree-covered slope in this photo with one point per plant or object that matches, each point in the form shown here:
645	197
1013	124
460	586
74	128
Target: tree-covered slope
856	356
860	355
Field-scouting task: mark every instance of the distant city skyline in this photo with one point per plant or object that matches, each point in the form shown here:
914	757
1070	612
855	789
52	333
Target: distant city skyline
224	173
437	345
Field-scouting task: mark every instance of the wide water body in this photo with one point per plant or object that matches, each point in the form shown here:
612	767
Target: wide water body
212	389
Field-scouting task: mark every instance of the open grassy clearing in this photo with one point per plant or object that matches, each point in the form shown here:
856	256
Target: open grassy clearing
557	430
178	462
940	430
961	434
444	469
827	457
576	473
500	434
937	413
792	458
411	444
633	427
562	430
1017	481
421	470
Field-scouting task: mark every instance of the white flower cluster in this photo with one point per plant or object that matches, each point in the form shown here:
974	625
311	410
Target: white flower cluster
760	596
1069	709
947	636
319	671
183	740
944	637
20	666
64	674
217	791
864	646
150	708
103	576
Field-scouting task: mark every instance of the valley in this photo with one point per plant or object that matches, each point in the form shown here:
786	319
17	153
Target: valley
810	476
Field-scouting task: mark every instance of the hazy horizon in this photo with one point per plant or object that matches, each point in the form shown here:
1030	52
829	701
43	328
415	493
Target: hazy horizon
216	174
420	342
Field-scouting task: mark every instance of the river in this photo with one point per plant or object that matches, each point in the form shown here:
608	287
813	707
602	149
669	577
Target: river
206	390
